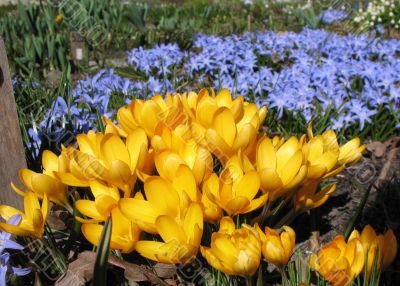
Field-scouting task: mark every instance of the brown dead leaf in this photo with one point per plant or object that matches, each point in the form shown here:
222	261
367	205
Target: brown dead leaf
57	218
80	271
164	270
378	149
393	142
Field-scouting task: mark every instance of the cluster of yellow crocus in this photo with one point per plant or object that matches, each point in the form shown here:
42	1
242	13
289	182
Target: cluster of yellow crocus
238	251
170	165
340	262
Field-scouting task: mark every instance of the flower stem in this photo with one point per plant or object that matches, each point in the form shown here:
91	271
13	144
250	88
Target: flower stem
249	281
285	279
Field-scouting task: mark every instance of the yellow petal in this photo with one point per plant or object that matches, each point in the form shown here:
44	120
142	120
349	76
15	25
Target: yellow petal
112	148
216	263
224	249
292	167
224	125
389	249
17	190
328	159
322	196
125	119
248	186
257	203
298	179
31	203
206	109
316	171
49	161
286	152
167	163
155	250
266	156
368	235
244	137
270	180
288	239
224	98
92	232
193	220
355	256
218	146
7	212
140	212
121	175
105	204
237	205
55	190
70	180
88	208
86	145
184	182
150	116
169	230
137	145
226	225
25	176
16	230
99	188
162	197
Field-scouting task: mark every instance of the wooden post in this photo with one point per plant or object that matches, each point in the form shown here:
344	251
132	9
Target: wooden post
12	155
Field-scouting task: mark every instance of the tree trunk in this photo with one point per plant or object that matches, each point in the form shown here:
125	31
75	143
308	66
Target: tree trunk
12	156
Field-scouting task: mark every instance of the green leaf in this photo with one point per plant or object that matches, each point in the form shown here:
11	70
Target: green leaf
74	233
100	265
259	276
356	215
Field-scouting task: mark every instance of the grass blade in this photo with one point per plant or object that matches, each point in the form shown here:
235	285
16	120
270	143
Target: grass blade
100	266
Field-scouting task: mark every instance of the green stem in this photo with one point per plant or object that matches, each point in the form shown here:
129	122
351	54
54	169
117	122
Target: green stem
286	219
61	262
285	279
249	281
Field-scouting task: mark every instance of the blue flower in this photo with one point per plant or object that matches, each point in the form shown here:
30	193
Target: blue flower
348	75
5	244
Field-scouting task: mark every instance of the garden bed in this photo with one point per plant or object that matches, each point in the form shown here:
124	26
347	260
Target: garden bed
159	147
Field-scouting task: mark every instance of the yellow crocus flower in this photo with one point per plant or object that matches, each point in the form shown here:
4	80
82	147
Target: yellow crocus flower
384	244
124	233
32	219
235	191
147	114
107	158
46	183
106	198
307	197
163	197
181	239
277	248
176	147
224	124
281	167
339	262
234	251
201	107
322	153
351	152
